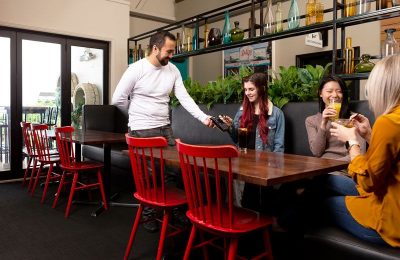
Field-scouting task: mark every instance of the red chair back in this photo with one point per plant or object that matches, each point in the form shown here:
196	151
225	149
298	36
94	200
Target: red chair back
148	171
199	164
28	138
42	144
65	145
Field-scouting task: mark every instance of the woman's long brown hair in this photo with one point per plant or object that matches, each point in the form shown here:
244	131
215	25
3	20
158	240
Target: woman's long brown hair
261	83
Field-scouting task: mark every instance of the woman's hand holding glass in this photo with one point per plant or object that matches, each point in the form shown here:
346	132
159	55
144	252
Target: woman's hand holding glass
327	114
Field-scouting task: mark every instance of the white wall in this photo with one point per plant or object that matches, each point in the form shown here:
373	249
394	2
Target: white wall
159	8
106	20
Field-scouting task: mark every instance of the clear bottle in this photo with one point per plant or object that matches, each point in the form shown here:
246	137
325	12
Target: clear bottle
184	40
348	57
294	15
311	15
178	47
135	53
278	17
363	6
269	26
226	32
390	45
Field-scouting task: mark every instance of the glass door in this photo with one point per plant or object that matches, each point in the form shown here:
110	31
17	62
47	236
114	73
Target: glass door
6	39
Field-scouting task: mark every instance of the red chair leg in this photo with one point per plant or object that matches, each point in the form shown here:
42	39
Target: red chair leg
27	170
189	245
233	248
60	186
163	234
205	251
267	244
133	232
32	174
103	194
46	185
71	194
37	177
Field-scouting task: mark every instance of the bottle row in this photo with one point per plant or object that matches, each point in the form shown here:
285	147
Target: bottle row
137	53
389	47
356	7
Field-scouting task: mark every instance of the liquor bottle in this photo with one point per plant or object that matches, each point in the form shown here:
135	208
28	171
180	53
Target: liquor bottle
390	45
269	25
278	17
189	40
140	52
195	39
135	53
178	47
184	40
348	57
381	4
237	34
226	32
310	12
147	51
349	8
130	57
205	44
294	15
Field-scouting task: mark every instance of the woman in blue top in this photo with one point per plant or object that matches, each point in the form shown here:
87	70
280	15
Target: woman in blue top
266	130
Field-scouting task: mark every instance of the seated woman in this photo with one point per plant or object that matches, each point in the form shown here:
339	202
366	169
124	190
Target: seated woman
265	123
322	143
374	213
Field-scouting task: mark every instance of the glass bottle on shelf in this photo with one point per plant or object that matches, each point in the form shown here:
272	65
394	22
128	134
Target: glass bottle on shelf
226	32
250	24
269	26
135	53
311	15
178	47
363	6
381	4
195	42
390	45
237	34
278	17
130	56
348	57
350	8
205	44
365	65
183	40
189	40
140	52
319	12
147	51
294	15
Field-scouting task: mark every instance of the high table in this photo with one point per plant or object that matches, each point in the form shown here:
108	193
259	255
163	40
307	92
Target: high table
268	168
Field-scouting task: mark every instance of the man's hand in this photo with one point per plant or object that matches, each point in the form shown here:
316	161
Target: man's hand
208	122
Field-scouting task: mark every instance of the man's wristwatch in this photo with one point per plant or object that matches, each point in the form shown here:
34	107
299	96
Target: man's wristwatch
350	143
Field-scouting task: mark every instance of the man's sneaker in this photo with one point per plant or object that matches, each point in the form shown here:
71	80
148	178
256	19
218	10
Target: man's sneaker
151	225
179	218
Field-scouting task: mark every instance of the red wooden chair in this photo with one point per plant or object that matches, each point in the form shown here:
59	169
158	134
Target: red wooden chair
210	212
74	168
30	152
150	186
45	156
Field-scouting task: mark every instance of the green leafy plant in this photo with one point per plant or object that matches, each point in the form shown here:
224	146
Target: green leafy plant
296	84
223	90
76	114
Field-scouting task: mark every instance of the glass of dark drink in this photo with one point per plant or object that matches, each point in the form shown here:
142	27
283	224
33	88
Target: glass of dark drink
242	136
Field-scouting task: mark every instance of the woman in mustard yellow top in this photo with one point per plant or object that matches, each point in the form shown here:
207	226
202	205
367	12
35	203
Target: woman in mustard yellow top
374	215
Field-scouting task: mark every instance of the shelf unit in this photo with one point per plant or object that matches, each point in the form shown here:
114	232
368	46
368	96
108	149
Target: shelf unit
250	6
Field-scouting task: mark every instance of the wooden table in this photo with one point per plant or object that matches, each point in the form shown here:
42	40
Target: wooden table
267	168
106	139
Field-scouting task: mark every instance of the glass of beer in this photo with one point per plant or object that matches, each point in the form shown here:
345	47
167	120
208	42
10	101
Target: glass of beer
242	138
337	105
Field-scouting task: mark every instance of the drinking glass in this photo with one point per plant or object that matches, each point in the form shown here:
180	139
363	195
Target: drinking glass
344	122
242	136
337	105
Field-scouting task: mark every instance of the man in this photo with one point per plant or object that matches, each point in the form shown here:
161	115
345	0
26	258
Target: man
148	83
